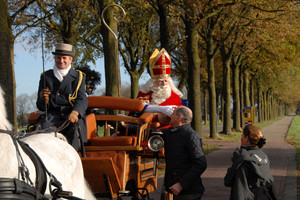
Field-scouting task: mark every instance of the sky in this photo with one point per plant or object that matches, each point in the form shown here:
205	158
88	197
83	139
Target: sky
29	66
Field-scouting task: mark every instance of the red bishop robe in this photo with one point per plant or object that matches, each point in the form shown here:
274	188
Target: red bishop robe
174	99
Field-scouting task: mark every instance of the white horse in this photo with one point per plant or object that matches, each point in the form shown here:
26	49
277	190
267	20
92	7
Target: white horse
60	159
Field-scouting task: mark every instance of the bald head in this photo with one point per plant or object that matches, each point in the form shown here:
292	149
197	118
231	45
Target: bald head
181	115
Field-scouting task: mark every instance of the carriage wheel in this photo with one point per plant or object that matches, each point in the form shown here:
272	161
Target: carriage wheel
145	196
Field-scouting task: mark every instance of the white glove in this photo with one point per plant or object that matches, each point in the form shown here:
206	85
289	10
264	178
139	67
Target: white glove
167	110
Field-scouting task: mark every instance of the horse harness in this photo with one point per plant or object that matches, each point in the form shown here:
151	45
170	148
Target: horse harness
13	188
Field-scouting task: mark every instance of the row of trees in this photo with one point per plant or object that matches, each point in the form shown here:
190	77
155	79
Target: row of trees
24	105
235	52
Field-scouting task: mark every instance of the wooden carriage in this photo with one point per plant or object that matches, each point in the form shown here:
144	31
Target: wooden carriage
119	163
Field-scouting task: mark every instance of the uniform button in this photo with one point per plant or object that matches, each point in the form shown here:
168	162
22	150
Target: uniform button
58	94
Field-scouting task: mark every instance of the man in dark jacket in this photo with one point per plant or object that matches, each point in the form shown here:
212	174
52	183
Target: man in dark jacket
185	160
62	95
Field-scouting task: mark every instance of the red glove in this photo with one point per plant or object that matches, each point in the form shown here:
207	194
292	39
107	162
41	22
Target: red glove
45	95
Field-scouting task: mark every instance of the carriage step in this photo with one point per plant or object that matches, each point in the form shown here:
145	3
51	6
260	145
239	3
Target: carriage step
147	169
146	173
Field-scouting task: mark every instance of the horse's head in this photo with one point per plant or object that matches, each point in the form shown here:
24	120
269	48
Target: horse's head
4	123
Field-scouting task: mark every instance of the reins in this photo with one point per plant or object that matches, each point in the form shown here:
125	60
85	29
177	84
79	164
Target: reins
22	134
62	126
23	170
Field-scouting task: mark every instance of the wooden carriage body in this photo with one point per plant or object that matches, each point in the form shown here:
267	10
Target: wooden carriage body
119	162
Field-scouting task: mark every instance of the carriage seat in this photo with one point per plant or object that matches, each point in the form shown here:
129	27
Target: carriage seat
91	125
114	141
106	141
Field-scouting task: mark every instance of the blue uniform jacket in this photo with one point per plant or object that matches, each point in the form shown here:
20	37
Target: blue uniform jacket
59	106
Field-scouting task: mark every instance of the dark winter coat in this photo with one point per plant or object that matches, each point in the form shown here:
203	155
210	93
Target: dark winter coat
59	106
185	159
250	169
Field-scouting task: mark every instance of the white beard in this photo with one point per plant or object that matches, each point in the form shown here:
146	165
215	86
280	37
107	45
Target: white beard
160	94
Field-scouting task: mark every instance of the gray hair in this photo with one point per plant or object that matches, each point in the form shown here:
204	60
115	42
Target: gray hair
186	113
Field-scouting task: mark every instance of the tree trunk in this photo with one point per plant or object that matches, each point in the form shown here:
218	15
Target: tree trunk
110	47
252	93
276	109
262	106
247	102
252	97
163	24
7	73
194	73
236	97
246	88
227	99
242	98
268	105
134	86
219	105
226	58
259	103
211	90
281	113
271	106
265	106
205	105
221	113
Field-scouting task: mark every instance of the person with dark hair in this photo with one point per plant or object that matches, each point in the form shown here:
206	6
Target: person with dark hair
93	78
249	176
185	159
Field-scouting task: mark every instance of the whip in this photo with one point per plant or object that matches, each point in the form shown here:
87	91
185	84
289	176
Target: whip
43	60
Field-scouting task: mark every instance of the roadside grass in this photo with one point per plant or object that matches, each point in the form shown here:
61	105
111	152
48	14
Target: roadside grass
207	148
236	135
232	137
293	137
267	123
